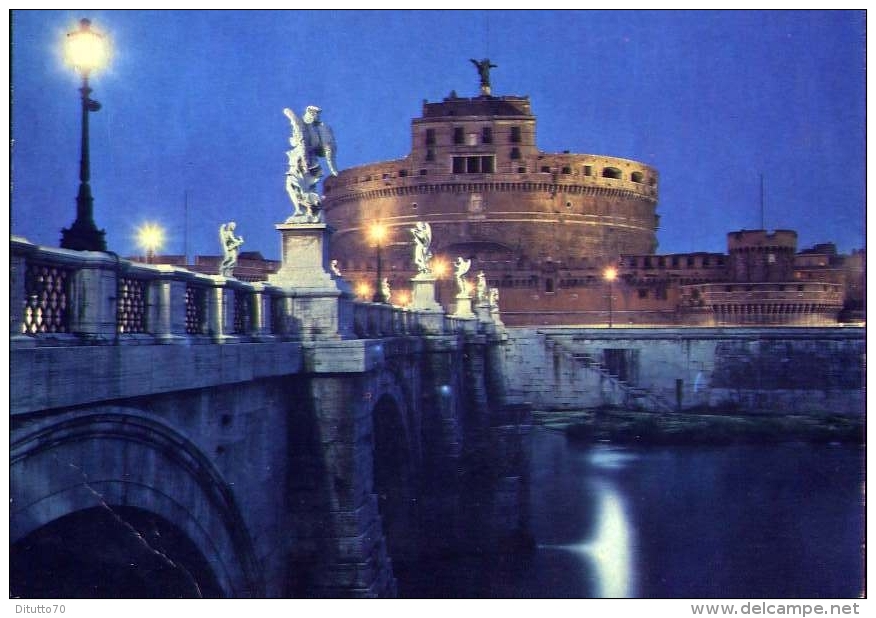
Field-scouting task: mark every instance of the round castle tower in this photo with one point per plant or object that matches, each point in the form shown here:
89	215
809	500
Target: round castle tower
476	175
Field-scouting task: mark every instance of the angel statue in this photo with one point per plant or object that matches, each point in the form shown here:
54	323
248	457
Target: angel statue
422	232
310	140
462	267
385	289
230	248
481	288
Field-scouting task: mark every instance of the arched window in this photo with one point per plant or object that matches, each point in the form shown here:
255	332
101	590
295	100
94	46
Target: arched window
637	177
611	172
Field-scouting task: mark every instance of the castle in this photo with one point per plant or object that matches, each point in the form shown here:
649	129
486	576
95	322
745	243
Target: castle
545	228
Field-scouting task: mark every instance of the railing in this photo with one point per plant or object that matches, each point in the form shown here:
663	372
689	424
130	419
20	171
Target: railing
93	297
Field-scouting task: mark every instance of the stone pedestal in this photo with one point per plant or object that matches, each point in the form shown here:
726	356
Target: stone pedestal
423	293
321	301
482	311
304	254
463	306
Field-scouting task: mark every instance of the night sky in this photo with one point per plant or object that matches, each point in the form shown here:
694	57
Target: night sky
192	106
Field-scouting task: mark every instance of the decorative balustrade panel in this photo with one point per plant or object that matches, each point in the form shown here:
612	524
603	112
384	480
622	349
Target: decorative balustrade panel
242	312
196	309
132	308
47	299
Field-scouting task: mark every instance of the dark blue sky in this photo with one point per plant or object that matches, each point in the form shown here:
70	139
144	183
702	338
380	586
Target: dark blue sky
193	101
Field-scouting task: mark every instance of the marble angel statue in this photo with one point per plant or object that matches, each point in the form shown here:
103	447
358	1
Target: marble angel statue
462	267
422	233
309	141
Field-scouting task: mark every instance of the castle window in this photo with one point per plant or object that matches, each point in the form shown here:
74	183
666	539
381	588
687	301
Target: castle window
487	135
545	169
588	170
707	261
521	170
515	135
430	155
402	173
515	153
549	286
430	137
690	261
567	169
458	135
423	172
612	172
472	139
674	261
474	164
636	177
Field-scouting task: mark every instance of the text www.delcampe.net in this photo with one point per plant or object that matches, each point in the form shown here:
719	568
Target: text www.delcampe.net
763	608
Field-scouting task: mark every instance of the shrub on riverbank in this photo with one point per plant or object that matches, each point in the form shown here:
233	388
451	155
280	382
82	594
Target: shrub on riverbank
627	427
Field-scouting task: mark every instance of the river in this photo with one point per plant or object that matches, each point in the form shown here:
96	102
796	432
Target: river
781	521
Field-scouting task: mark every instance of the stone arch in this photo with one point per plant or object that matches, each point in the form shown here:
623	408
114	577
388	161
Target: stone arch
137	555
395	478
612	172
116	458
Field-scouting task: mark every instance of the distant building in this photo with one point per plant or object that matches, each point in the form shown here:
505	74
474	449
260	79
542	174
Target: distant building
251	265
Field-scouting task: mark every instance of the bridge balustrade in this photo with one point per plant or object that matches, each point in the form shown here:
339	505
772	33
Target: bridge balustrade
58	296
61	296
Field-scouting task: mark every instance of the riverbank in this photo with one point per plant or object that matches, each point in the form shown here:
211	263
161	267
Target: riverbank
691	428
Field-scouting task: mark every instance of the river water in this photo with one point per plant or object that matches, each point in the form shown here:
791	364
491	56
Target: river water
782	521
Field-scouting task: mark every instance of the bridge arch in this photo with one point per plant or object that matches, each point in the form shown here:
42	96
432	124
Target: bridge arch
395	478
124	463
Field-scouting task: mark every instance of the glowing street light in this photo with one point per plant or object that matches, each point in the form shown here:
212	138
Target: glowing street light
150	237
363	290
86	50
440	268
377	232
610	274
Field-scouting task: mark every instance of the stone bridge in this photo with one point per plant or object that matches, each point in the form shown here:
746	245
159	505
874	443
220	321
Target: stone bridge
178	434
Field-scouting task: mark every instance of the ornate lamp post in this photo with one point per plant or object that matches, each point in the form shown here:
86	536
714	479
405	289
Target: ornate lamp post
377	232
610	274
86	51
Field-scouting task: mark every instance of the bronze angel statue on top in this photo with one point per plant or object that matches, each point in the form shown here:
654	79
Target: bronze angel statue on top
310	140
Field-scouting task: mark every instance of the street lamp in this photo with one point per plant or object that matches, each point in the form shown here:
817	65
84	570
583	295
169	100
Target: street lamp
440	268
150	237
610	274
85	50
377	232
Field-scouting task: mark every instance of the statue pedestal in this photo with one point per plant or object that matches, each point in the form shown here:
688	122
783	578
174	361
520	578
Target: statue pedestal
423	293
482	311
304	255
321	303
463	306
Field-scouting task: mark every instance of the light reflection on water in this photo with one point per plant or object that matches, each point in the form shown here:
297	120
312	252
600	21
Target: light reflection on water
609	550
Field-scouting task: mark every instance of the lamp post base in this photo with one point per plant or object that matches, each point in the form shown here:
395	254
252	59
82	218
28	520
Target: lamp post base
83	237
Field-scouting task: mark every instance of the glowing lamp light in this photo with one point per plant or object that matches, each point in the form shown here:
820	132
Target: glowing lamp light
404	298
610	273
440	267
150	237
363	290
85	49
377	232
